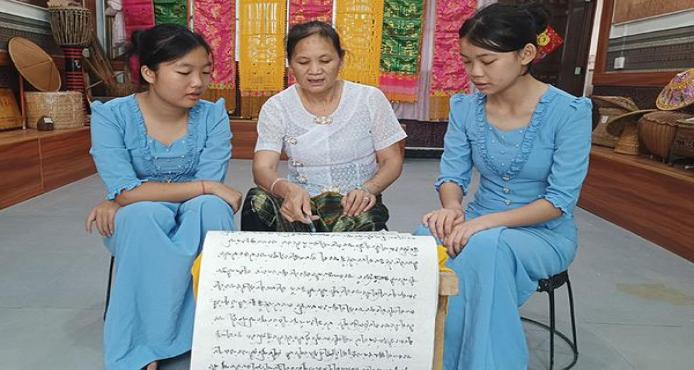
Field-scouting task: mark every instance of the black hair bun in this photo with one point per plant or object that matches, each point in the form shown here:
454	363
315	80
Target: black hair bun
135	43
540	16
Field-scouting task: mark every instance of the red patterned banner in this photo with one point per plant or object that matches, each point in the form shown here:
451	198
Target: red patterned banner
215	20
302	11
448	76
138	15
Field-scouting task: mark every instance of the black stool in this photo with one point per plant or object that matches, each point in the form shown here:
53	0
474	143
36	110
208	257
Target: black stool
548	286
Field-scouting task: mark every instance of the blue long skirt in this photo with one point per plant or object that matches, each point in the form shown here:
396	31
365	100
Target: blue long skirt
150	316
498	270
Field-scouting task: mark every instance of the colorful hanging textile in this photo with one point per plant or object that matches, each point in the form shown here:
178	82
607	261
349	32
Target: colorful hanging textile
400	49
261	34
360	25
448	76
302	11
171	11
138	15
215	20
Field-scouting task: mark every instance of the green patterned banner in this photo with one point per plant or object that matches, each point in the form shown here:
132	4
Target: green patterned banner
402	31
400	49
170	11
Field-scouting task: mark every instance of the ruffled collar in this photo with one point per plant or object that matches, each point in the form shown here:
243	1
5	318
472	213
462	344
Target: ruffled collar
144	137
529	133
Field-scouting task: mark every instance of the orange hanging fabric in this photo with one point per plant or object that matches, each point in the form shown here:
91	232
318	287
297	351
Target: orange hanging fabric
360	25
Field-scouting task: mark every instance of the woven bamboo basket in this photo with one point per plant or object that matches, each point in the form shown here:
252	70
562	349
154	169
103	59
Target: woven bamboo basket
10	115
64	107
629	140
657	132
71	25
600	135
610	107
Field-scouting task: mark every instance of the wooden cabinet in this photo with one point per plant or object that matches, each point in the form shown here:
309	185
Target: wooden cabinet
648	198
34	162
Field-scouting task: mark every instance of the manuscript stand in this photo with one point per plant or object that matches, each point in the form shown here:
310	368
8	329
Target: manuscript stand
448	286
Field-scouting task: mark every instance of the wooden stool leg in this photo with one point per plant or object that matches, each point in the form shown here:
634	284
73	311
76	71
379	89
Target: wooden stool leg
441	312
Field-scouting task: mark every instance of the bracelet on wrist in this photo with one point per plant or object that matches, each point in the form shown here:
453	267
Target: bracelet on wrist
272	186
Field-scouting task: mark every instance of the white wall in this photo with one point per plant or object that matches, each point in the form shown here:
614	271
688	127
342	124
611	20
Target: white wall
588	85
23	10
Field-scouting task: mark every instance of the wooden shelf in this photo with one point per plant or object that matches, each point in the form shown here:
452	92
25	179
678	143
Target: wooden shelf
649	198
644	163
18	135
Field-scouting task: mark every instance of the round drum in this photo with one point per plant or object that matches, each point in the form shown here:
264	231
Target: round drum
71	25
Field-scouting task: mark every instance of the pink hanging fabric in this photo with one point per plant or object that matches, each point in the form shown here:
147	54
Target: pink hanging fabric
215	20
448	76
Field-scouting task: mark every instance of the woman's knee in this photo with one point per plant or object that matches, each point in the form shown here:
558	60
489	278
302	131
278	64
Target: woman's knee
143	214
209	203
481	247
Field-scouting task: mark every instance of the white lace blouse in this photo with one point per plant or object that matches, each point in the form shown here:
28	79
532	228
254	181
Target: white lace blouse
337	157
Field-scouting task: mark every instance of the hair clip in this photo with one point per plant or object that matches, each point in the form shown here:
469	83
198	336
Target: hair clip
547	42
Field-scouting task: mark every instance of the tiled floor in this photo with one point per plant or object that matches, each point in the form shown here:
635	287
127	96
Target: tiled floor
634	300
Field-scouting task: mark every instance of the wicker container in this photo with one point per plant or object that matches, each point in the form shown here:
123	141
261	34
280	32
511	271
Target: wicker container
683	145
629	140
65	107
610	107
657	132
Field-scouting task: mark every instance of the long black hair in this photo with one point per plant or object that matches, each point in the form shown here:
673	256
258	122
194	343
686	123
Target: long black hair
163	43
304	30
504	27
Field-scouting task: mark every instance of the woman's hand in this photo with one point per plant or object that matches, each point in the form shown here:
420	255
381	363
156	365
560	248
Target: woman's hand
227	193
297	203
356	202
462	232
104	215
441	221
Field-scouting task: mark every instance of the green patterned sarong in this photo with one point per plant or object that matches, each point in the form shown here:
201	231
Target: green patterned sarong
260	212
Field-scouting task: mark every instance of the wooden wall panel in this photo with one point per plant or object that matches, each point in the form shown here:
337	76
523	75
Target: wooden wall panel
20	172
645	197
66	159
244	137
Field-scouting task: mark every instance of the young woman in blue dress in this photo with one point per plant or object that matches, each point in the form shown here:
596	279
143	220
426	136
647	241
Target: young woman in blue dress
530	143
162	155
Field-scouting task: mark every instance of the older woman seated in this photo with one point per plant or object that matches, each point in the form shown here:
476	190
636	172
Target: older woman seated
341	139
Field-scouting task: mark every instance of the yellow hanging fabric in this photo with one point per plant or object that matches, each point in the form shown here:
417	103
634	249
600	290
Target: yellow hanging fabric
261	33
360	25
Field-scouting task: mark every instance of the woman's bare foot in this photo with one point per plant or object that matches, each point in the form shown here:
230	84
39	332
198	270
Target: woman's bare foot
152	366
